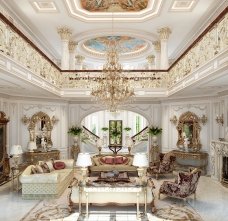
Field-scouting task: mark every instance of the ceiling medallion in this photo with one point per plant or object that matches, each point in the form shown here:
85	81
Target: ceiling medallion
114	5
112	87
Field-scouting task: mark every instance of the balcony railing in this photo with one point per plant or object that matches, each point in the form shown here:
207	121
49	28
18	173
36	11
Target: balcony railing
208	45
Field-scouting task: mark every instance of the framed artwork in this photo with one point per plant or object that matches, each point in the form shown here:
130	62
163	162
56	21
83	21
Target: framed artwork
115	132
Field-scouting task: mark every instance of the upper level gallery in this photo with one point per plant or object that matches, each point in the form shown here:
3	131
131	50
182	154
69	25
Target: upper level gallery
205	59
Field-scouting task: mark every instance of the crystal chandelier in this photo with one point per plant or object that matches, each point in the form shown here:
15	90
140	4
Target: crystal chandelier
112	88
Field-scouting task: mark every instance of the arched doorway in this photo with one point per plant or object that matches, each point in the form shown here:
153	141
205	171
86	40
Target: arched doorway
130	122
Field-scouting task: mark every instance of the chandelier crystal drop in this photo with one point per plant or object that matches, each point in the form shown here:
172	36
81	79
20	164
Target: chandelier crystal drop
112	88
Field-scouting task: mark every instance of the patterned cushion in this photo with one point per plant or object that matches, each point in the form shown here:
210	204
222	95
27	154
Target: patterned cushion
118	160
109	160
39	169
59	165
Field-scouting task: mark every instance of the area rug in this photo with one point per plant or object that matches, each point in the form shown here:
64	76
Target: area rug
174	213
168	209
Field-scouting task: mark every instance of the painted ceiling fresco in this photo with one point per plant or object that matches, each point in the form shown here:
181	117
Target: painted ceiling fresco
125	44
114	5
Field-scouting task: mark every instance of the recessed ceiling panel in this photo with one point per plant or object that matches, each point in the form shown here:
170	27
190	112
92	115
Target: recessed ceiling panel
114	5
126	44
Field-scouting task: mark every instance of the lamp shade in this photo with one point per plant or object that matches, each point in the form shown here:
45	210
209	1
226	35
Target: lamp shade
16	150
140	160
83	160
32	146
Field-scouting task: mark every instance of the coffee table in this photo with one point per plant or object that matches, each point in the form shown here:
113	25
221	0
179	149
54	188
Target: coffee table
113	193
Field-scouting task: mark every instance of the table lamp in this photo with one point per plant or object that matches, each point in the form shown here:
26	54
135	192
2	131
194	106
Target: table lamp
32	146
83	161
140	160
15	152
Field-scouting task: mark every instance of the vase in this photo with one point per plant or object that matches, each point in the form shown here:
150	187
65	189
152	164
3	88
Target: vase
75	139
154	139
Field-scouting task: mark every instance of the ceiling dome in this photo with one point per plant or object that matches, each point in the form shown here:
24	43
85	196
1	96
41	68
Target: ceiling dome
126	44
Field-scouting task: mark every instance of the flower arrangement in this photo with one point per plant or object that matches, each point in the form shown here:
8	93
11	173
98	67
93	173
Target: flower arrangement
127	128
155	130
104	129
75	130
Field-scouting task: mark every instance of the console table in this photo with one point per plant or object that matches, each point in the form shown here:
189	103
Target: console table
34	157
110	192
184	160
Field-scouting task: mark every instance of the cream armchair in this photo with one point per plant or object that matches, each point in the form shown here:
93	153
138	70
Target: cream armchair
46	185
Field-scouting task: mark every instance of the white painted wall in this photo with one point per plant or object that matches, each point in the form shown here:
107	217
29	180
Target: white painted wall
18	132
157	114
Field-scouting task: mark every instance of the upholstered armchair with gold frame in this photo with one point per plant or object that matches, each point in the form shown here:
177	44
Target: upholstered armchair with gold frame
165	165
184	186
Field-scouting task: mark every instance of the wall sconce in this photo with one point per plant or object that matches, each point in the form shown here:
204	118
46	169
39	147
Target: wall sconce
219	119
174	119
54	120
203	119
25	119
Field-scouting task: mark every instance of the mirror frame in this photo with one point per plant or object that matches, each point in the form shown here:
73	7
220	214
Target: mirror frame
189	117
32	125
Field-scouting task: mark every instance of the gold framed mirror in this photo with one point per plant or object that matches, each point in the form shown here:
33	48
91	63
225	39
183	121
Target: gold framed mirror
40	127
189	132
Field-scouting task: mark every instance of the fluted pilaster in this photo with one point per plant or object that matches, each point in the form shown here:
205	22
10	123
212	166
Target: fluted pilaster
151	61
72	47
79	62
65	34
164	36
157	48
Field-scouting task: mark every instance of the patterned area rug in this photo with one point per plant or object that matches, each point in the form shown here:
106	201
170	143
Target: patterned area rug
175	213
168	209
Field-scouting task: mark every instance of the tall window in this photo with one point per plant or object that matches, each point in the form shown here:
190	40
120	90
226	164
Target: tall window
94	125
138	124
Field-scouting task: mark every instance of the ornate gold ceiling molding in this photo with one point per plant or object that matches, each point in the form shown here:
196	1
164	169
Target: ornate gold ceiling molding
44	6
76	11
183	5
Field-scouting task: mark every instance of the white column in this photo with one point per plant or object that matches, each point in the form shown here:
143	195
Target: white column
65	34
150	61
164	35
79	62
157	48
72	46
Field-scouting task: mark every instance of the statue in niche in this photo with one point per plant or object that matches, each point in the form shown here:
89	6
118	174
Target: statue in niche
189	132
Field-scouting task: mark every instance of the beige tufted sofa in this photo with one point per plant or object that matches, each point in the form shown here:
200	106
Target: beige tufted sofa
46	185
100	165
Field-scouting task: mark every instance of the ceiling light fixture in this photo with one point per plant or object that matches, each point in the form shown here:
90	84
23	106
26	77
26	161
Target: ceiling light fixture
112	87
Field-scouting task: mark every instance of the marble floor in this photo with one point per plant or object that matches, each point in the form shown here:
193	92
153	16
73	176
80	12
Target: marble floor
211	203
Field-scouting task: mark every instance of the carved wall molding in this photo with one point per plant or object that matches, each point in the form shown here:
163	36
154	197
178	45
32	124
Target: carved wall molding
218	150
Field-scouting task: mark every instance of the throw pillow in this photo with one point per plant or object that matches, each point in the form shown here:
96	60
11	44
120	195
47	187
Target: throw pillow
59	165
118	160
125	160
45	168
39	169
33	170
50	165
109	160
96	161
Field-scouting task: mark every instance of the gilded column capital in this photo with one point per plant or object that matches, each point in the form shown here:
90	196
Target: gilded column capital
72	45
79	59
64	33
157	46
150	59
164	33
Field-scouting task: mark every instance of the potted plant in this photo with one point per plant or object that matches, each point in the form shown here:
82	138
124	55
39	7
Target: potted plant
127	129
104	129
75	131
154	132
